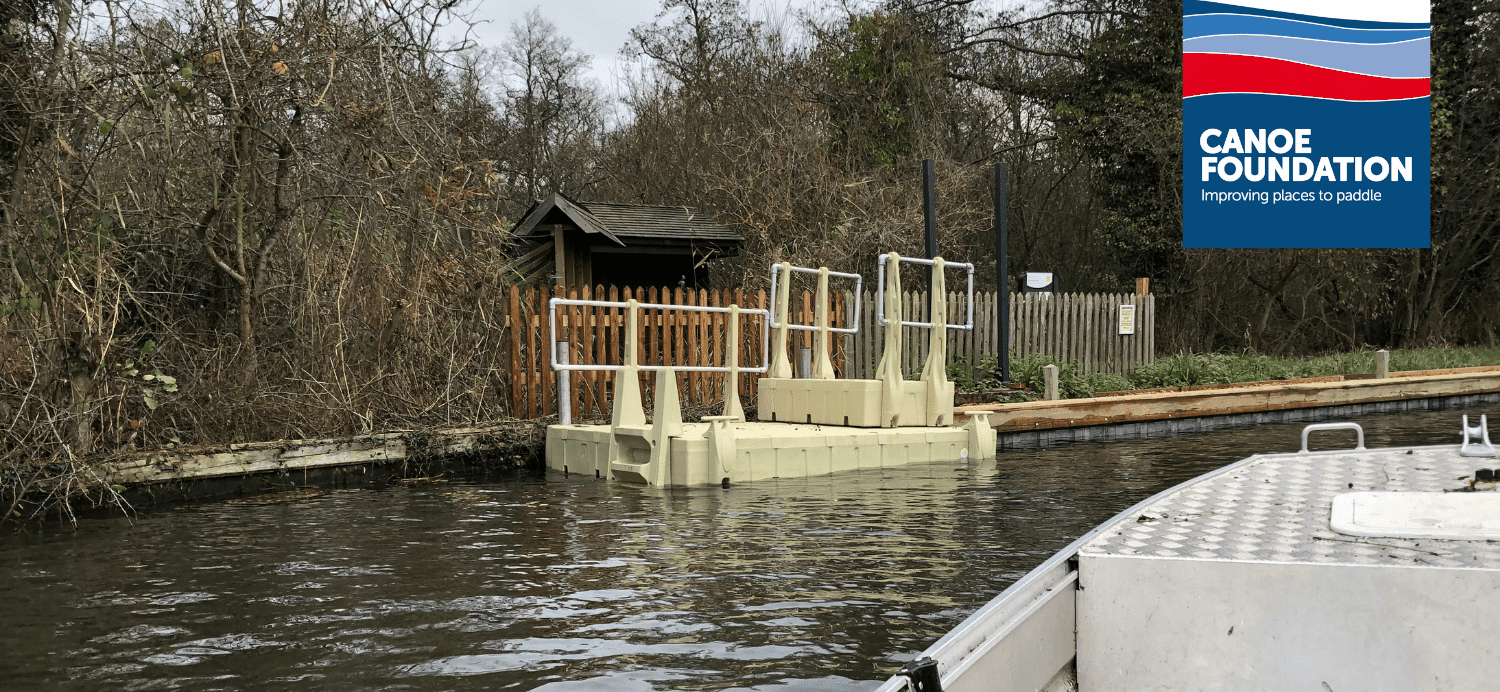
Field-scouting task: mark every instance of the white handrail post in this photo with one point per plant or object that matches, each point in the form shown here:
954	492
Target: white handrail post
822	365
732	406
564	382
889	369
632	321
780	368
935	369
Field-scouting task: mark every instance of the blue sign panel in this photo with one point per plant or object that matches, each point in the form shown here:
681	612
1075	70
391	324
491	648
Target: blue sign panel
1306	124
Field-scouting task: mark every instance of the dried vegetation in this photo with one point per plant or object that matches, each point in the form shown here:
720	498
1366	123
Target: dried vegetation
247	220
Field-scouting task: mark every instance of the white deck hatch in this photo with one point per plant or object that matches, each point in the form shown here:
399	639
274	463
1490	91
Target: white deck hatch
1444	516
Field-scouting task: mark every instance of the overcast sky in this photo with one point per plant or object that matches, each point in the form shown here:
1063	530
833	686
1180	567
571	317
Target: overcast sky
596	27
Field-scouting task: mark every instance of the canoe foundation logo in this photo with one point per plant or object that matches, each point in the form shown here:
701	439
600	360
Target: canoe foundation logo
1306	124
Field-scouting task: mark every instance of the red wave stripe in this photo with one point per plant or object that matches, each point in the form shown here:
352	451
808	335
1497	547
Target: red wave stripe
1214	73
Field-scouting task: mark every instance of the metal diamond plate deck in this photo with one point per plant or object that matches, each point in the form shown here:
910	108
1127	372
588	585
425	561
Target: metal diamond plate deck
1275	508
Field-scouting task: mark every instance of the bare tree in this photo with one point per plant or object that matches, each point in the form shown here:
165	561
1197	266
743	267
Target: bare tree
553	114
240	220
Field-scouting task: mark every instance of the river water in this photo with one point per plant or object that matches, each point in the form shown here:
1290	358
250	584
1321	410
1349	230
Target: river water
536	582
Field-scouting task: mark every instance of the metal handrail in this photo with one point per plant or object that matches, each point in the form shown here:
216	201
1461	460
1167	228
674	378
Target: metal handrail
1359	445
764	341
880	293
858	283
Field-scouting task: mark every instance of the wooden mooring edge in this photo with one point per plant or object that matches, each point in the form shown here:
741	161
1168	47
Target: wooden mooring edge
505	438
1231	400
292	455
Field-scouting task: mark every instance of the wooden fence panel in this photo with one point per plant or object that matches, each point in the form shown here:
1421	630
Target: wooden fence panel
850	360
1150	328
1010	337
1057	310
717	321
877	337
569	330
1062	340
590	336
1094	342
1031	323
663	336
523	316
656	334
1079	328
691	322
1115	352
1071	327
1036	323
1111	334
588	339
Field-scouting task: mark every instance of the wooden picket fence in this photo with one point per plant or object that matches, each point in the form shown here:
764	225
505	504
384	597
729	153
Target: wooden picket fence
676	337
1071	327
1082	328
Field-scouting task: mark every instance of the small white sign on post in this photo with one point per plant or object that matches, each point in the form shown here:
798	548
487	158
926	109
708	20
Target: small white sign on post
1127	319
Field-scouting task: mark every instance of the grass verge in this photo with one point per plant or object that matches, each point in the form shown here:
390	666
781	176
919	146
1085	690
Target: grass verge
1188	369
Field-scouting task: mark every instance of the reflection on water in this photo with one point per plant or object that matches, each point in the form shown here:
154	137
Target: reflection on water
574	584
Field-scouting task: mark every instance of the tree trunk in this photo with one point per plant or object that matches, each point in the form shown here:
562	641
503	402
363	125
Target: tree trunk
81	385
247	328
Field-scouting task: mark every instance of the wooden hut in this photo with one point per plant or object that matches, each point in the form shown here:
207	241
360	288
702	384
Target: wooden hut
572	243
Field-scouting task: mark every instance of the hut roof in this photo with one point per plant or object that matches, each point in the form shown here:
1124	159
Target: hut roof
619	222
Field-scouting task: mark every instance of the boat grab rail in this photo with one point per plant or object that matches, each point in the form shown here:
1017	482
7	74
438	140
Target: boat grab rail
858	283
880	293
1359	445
765	347
1477	439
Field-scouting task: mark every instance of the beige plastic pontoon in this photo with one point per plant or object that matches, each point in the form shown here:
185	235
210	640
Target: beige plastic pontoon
808	426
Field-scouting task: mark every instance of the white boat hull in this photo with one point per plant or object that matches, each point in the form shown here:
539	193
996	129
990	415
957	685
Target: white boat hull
1236	581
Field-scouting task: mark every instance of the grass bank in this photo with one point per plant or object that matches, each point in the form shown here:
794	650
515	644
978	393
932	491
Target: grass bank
1188	369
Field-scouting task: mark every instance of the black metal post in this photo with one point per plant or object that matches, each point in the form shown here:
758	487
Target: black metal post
929	211
1002	270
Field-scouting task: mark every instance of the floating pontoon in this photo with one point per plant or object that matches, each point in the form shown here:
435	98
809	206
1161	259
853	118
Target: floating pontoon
1337	570
806	426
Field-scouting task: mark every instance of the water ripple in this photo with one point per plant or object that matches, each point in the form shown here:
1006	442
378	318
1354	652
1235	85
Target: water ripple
569	585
